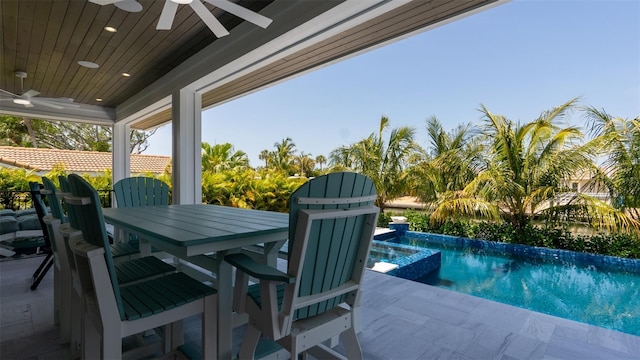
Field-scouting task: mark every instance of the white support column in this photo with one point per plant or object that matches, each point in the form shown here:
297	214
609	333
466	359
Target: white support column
187	139
120	144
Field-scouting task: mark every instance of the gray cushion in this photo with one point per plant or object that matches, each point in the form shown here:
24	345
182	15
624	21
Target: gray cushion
25	212
7	212
29	222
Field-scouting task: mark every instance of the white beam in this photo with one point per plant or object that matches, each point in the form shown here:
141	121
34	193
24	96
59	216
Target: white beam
187	139
120	145
85	113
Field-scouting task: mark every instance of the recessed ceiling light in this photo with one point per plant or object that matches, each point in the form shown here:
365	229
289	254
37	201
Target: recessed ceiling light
99	99
182	1
126	74
88	64
110	29
22	101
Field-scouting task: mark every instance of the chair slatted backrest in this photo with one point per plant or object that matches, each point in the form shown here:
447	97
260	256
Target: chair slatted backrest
54	202
73	216
332	243
93	229
141	191
41	209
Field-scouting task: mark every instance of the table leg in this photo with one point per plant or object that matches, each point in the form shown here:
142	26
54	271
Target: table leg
225	313
271	250
144	247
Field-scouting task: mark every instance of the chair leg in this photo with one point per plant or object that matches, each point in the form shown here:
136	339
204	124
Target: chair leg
57	293
90	343
177	334
351	344
249	343
210	327
167	332
111	342
42	270
76	325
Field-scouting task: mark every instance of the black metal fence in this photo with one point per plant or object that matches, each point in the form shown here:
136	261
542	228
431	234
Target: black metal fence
19	200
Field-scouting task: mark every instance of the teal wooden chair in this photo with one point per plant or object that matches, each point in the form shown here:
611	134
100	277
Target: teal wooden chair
62	278
41	211
121	251
332	221
113	311
127	270
141	191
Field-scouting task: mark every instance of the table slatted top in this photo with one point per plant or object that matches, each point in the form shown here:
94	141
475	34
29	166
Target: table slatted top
189	225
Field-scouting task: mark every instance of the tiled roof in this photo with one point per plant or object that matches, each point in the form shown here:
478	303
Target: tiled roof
76	161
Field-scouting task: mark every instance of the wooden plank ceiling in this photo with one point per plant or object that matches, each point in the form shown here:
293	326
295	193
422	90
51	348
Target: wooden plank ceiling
47	38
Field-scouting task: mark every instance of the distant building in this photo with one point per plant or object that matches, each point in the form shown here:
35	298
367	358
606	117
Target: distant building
42	161
585	183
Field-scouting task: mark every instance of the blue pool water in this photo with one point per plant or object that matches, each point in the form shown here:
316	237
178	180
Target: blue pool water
586	293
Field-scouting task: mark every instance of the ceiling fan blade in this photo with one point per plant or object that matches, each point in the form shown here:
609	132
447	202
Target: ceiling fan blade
30	93
126	5
8	93
241	12
104	2
129	5
65	102
167	15
208	18
46	103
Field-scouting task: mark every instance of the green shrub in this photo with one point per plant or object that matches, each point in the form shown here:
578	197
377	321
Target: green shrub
384	218
418	221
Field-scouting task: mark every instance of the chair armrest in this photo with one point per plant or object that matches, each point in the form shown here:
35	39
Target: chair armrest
77	200
258	270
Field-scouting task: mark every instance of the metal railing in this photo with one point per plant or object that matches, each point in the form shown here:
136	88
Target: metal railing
20	200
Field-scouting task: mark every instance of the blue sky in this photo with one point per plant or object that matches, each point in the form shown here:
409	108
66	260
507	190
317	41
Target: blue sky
517	59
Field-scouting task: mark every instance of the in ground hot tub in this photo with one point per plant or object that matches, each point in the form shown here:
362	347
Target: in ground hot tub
405	261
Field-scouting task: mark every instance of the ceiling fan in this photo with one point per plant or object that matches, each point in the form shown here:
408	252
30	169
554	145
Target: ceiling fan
171	6
28	98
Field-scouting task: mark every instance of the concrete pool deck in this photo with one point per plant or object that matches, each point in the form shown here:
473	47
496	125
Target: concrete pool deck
401	319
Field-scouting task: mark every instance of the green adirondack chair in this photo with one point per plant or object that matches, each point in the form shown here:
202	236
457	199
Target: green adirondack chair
332	221
141	191
120	311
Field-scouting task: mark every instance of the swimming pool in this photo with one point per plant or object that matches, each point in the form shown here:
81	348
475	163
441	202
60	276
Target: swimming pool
594	291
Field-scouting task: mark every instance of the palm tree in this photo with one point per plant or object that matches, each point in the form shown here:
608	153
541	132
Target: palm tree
305	164
320	160
528	162
284	155
340	159
451	162
619	141
524	172
266	156
384	163
221	157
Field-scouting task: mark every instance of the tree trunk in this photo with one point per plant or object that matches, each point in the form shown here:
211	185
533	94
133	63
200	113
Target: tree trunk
32	135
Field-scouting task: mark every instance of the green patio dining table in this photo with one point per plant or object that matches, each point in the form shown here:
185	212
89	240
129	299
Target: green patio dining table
203	235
